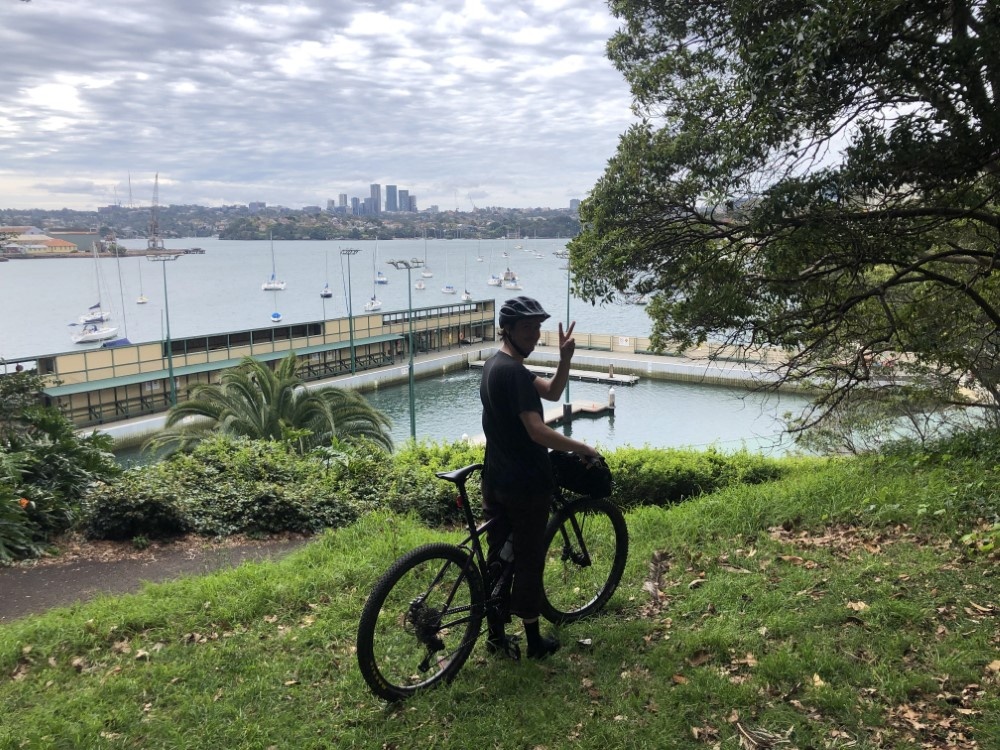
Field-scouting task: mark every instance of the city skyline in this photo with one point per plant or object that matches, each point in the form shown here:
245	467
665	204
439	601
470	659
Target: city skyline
462	103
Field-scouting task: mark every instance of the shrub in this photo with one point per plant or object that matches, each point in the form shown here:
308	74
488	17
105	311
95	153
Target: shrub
652	476
227	486
143	502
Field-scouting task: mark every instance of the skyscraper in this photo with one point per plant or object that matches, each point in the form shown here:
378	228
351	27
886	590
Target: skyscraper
390	198
404	200
376	203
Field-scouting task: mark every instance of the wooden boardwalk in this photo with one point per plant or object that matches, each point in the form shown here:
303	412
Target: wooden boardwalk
592	376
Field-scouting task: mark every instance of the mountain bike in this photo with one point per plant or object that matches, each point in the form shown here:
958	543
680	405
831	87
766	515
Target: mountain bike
425	614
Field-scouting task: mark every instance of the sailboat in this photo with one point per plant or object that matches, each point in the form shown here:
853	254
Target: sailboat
374	303
96	312
466	296
326	292
510	280
93	320
426	272
380	278
447	288
142	299
273	284
92	332
420	285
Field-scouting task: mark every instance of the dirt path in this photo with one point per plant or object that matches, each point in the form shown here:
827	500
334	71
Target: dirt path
82	571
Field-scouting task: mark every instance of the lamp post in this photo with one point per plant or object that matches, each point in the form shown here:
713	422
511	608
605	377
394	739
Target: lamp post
349	251
567	407
162	260
409	265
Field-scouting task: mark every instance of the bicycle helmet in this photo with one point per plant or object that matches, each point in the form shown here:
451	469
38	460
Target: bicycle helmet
520	308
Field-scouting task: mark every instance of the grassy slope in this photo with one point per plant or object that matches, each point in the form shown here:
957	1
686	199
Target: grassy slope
832	607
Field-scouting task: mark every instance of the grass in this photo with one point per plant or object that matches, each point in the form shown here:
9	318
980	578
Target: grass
835	608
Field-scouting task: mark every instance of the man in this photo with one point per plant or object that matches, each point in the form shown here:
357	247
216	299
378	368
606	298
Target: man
517	477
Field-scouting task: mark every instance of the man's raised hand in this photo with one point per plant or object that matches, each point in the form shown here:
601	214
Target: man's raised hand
567	344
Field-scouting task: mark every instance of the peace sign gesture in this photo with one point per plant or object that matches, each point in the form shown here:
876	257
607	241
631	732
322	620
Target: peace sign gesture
567	344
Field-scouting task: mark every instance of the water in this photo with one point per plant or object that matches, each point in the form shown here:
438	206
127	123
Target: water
653	412
220	290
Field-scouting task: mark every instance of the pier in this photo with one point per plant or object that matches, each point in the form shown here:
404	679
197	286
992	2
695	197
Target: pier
590	376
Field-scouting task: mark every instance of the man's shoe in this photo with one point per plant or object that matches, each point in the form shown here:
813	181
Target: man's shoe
504	645
543	648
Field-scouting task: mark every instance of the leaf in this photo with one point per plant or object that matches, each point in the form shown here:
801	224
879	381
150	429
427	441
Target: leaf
817	681
699	658
857	606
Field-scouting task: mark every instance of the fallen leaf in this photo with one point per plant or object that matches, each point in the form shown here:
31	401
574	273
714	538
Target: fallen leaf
680	679
857	606
818	681
699	658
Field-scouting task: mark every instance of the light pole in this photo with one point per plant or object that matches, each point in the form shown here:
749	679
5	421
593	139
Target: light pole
409	265
567	408
162	260
349	251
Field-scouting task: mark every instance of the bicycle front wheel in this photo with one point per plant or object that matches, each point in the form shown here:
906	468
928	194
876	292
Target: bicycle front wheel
421	621
587	546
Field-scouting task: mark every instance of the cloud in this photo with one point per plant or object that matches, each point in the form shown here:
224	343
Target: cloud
296	102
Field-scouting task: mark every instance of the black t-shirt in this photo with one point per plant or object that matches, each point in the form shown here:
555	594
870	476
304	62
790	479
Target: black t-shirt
514	462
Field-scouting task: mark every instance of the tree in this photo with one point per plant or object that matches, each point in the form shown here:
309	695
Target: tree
819	177
254	401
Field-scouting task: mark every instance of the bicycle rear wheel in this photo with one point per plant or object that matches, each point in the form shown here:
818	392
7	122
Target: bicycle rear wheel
587	546
421	621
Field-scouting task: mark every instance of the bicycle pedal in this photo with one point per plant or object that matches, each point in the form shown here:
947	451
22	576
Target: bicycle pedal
506	647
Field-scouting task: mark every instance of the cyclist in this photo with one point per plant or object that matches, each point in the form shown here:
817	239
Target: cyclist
517	477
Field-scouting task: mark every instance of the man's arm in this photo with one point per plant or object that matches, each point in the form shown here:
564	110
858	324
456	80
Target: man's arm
551	389
544	435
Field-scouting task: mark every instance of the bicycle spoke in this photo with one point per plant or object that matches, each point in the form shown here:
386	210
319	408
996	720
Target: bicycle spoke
585	559
421	621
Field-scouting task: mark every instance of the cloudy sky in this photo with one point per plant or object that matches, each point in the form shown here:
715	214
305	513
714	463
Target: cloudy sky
462	102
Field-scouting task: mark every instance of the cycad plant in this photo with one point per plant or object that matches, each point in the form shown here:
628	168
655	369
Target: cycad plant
254	401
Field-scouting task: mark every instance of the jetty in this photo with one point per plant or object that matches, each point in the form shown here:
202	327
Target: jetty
589	376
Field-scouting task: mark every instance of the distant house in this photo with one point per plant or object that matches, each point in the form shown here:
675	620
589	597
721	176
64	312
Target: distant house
84	241
38	244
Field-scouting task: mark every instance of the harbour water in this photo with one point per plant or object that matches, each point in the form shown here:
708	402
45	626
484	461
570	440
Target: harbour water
656	413
220	291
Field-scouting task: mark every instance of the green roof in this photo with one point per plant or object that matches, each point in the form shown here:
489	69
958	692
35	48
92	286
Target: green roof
224	364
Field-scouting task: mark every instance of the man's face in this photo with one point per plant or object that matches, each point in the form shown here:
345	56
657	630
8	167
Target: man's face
526	333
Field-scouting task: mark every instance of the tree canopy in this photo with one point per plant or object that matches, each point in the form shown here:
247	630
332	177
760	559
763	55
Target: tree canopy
256	401
820	177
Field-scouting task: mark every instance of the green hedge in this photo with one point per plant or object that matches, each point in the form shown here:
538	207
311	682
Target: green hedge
653	476
227	486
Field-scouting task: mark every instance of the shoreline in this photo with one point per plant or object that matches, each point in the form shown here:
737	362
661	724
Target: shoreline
89	256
